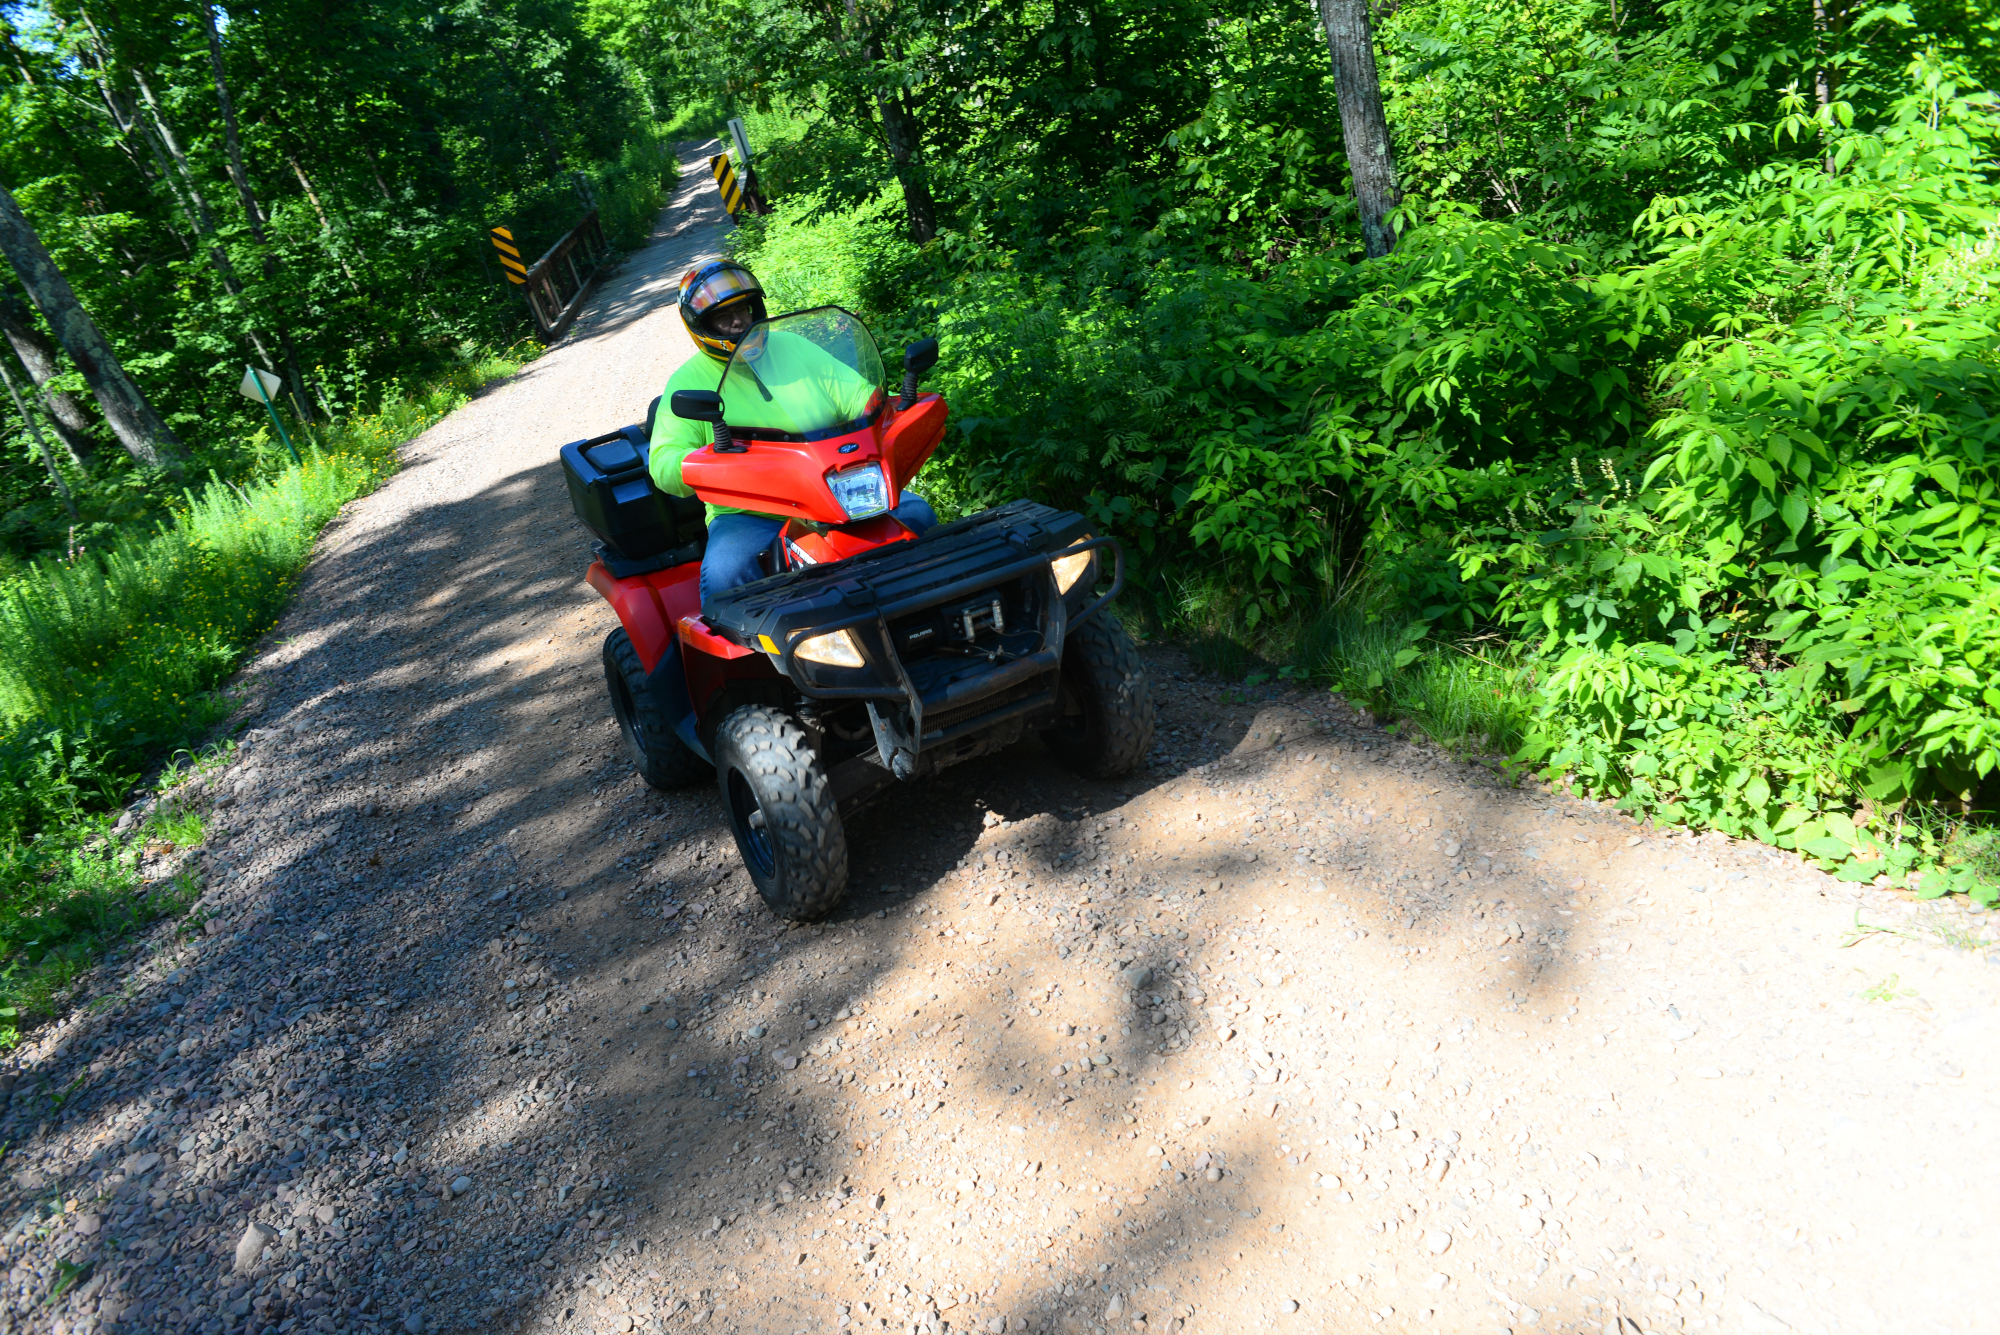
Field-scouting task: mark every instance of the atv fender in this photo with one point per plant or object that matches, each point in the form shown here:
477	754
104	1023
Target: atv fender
667	680
913	436
637	604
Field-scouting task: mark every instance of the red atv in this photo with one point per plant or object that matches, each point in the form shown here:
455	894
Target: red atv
868	655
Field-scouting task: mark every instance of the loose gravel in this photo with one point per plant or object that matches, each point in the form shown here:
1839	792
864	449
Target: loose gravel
1304	1025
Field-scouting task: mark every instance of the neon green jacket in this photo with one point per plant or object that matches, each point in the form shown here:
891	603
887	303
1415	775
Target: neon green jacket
675	438
794	387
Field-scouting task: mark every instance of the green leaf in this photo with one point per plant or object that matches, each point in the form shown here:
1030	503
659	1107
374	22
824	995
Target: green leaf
1794	511
1888	780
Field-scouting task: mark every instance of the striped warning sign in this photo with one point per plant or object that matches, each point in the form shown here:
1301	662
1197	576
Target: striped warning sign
725	181
510	258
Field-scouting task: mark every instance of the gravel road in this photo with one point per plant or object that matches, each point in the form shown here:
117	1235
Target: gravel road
1304	1027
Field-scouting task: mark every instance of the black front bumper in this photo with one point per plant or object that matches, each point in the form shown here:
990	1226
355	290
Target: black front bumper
925	688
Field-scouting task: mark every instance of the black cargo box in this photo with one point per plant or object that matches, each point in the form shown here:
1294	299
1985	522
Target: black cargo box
614	496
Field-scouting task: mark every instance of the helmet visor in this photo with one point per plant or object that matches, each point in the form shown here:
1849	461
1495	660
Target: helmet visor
721	284
731	319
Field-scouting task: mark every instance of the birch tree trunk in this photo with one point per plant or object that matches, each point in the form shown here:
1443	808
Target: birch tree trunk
186	188
1822	76
231	140
41	444
1350	40
140	429
67	416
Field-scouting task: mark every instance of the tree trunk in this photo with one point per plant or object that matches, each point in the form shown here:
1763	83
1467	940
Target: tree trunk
1822	76
230	138
233	142
900	128
140	429
1365	130
173	164
67	415
125	122
41	445
325	223
904	137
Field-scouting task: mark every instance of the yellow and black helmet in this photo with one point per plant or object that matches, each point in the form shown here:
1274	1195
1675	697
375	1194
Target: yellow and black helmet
706	290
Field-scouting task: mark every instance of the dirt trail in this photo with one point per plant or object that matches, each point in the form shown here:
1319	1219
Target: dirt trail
1304	1026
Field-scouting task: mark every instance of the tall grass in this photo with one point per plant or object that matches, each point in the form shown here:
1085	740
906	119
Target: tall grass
113	658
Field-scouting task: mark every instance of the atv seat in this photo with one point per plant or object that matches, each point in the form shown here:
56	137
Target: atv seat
638	526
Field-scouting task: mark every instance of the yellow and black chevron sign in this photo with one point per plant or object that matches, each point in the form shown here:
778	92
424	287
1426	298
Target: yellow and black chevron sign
510	258
725	181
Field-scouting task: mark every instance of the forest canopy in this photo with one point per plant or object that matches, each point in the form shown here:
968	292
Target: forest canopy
300	187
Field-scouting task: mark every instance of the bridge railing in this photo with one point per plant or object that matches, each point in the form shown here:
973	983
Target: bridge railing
559	281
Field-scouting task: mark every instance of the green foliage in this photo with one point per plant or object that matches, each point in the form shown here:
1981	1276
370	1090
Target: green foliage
1660	445
379	143
858	258
120	649
1971	866
1467	696
113	658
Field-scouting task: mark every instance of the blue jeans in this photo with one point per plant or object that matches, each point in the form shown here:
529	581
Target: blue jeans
736	541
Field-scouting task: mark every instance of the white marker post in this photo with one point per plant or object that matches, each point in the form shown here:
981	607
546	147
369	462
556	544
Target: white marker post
753	197
260	385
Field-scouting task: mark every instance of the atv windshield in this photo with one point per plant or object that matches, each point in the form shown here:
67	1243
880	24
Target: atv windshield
810	375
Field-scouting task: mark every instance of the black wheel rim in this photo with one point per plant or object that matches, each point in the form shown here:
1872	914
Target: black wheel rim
752	835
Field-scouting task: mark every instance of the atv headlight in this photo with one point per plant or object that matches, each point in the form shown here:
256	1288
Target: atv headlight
835	649
862	491
1070	569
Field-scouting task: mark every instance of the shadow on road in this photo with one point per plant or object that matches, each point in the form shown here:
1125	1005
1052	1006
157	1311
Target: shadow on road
493	1035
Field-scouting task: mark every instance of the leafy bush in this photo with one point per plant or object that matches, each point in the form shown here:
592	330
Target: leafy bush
1726	492
631	190
856	258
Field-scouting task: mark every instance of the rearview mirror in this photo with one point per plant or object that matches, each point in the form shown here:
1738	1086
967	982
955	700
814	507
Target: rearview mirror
698	405
921	356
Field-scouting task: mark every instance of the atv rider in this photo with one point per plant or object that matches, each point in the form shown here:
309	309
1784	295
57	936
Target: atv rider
719	303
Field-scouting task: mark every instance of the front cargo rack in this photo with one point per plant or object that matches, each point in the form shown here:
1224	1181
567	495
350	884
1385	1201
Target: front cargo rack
989	574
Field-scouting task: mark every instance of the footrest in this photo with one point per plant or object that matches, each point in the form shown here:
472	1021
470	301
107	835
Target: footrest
623	567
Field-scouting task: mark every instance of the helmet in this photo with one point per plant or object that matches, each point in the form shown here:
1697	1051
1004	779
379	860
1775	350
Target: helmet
706	290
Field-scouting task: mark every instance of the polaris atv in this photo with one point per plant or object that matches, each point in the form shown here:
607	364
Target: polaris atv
868	656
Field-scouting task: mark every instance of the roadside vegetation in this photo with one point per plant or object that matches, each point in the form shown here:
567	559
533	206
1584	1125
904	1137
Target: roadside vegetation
1657	455
186	192
113	663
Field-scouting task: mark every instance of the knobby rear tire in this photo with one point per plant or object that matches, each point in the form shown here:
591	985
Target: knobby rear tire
658	753
1106	724
797	855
